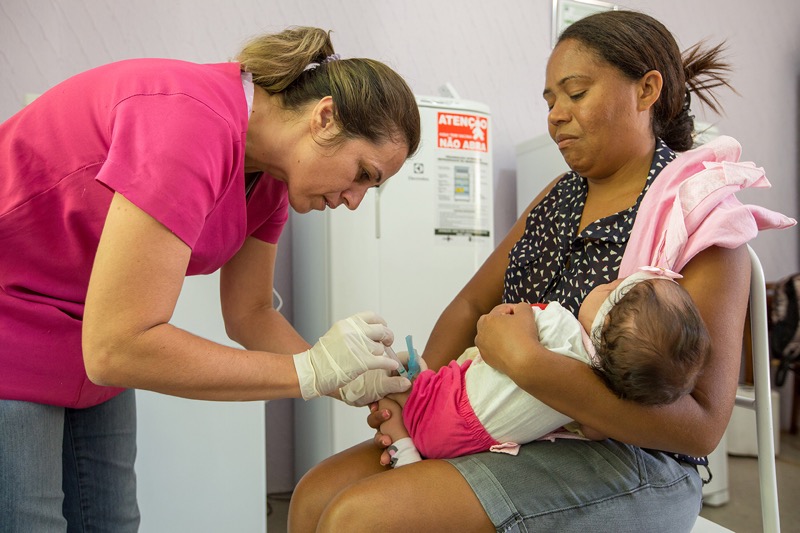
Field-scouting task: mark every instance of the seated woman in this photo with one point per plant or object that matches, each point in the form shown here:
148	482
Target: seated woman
652	356
618	92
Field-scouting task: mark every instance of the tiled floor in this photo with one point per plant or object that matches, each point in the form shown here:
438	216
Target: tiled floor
741	514
277	509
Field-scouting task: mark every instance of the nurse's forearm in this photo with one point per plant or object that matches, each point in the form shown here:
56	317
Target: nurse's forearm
266	330
172	361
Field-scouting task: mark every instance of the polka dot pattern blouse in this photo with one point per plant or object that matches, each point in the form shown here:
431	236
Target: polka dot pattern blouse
553	262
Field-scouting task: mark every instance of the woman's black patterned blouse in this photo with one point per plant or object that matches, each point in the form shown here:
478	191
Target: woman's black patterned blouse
551	263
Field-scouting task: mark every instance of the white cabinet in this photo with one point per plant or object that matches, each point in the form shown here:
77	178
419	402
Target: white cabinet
201	466
538	163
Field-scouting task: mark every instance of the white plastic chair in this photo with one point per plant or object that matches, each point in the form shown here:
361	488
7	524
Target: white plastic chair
761	404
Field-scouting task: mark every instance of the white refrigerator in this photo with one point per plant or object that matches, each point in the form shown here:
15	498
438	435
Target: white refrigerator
404	253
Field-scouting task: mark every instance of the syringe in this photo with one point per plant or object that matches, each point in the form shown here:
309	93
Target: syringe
401	369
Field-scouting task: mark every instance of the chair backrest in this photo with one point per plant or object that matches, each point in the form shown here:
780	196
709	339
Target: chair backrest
762	401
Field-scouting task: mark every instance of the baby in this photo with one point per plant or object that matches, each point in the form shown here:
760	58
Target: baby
647	342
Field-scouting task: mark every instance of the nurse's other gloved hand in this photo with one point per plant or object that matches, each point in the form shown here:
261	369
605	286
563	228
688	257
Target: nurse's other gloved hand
350	348
371	386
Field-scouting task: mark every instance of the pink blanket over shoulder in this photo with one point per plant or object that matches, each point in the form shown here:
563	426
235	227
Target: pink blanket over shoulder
692	205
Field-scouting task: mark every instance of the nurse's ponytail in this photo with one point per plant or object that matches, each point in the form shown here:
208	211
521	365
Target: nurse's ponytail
371	101
277	60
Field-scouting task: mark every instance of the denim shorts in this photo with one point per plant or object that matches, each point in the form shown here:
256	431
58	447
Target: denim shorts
576	485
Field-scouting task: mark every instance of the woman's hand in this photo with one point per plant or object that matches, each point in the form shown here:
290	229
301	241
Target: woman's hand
503	309
393	427
506	337
375	419
371	386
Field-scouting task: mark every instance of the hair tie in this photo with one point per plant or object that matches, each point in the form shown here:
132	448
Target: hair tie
332	57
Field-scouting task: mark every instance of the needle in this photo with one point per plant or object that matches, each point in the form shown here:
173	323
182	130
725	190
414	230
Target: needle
400	368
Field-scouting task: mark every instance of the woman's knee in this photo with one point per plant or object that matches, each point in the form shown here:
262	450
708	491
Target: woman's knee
321	484
439	496
310	497
349	510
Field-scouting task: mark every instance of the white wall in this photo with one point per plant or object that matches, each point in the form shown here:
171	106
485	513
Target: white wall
200	466
492	52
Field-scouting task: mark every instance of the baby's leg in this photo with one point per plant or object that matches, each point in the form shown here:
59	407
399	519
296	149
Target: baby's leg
402	451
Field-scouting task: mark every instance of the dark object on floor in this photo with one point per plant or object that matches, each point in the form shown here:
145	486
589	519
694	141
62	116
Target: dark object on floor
784	332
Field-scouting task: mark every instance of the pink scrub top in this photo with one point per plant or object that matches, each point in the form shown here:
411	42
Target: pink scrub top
170	137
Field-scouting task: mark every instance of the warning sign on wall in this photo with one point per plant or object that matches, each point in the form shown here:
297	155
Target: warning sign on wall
458	131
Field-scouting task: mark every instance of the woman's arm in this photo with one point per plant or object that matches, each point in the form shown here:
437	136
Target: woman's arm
128	340
456	328
246	284
718	281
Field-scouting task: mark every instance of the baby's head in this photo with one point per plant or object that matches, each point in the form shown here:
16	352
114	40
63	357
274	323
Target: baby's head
650	340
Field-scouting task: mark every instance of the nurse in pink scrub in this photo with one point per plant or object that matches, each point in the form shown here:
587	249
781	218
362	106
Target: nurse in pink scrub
120	181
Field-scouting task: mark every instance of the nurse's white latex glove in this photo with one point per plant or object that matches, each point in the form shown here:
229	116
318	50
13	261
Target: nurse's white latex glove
371	386
351	347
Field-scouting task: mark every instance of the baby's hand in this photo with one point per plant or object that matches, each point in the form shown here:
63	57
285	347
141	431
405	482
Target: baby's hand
375	419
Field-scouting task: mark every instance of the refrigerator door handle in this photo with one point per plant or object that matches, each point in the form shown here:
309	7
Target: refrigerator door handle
378	213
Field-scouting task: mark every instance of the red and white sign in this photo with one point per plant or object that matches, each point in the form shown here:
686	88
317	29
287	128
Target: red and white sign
458	131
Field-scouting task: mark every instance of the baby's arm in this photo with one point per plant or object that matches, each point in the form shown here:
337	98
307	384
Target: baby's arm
402	451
